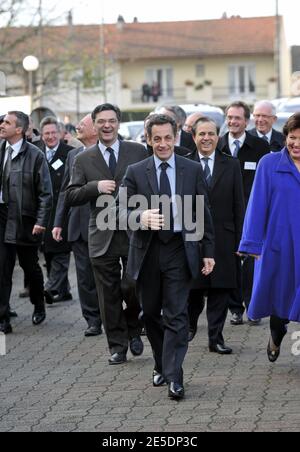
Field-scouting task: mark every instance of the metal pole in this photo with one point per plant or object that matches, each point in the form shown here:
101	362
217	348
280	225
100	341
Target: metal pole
278	50
78	100
103	62
30	77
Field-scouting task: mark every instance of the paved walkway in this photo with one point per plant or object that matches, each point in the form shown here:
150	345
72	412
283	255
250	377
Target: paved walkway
53	379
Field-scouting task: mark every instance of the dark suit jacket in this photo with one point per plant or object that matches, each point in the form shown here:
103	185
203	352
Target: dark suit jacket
187	141
77	218
90	168
141	179
227	204
250	153
57	175
277	140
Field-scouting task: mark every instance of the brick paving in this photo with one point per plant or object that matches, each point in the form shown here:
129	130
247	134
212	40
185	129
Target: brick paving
54	379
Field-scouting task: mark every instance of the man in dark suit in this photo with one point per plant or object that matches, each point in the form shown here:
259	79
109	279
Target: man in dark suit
163	261
249	150
265	117
98	172
25	205
57	255
225	191
78	225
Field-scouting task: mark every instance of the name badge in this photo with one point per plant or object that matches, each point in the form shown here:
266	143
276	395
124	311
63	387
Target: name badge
58	164
250	166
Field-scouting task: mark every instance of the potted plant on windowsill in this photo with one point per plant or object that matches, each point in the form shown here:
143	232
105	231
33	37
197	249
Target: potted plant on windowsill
189	83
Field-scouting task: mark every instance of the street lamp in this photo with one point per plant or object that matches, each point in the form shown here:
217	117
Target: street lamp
31	64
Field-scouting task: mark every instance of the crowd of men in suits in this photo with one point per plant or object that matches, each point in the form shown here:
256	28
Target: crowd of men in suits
50	199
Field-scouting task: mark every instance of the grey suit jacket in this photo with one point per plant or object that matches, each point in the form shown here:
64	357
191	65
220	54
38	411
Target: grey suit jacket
76	217
90	168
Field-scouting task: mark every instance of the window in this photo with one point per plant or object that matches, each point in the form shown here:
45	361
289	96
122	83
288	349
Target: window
242	80
2	83
200	70
163	77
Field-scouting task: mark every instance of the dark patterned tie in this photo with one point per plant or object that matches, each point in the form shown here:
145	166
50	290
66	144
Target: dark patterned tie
237	148
265	138
112	161
165	189
207	172
5	176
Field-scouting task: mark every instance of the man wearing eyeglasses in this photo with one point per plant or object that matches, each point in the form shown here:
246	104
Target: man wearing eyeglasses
265	117
97	173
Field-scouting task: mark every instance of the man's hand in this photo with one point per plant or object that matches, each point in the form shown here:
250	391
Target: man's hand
38	230
56	234
152	219
209	265
107	187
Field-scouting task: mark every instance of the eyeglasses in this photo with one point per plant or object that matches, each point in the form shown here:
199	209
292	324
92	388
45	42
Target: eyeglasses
263	116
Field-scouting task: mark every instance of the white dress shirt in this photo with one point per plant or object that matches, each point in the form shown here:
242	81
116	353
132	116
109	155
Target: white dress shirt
232	140
106	154
211	161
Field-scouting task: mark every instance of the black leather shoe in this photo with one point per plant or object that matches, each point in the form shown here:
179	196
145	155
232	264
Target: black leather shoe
48	297
5	327
12	314
192	334
93	331
136	346
273	353
38	316
117	358
158	379
237	319
220	349
60	298
176	391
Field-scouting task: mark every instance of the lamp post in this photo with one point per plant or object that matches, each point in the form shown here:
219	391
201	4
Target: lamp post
31	64
278	49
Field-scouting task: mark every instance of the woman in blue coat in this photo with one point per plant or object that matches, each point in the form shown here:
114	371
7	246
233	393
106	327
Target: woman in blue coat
272	235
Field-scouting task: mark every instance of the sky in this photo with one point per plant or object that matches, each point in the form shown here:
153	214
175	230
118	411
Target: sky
92	11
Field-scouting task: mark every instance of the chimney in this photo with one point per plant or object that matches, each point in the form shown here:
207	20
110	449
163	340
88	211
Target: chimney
135	20
70	18
120	22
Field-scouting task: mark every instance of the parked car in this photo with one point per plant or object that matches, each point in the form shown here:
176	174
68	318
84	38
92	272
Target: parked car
290	106
215	113
130	130
282	118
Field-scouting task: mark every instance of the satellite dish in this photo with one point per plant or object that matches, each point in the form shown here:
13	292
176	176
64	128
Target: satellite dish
295	88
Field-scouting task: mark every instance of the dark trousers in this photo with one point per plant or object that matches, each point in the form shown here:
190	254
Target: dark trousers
241	297
216	311
29	262
86	284
163	288
57	269
114	288
278	329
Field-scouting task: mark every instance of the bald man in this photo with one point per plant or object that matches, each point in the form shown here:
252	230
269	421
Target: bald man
264	114
78	233
191	121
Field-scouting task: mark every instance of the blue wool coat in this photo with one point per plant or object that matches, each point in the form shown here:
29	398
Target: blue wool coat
272	230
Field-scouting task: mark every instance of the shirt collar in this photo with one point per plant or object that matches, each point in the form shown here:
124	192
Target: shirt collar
15	147
212	157
232	140
268	135
115	147
171	161
53	150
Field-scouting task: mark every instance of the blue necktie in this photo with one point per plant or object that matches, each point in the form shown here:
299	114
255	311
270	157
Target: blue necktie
165	189
265	138
237	148
112	161
207	172
50	154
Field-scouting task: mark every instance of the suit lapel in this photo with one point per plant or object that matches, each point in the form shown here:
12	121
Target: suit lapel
100	163
152	177
219	168
122	161
179	176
